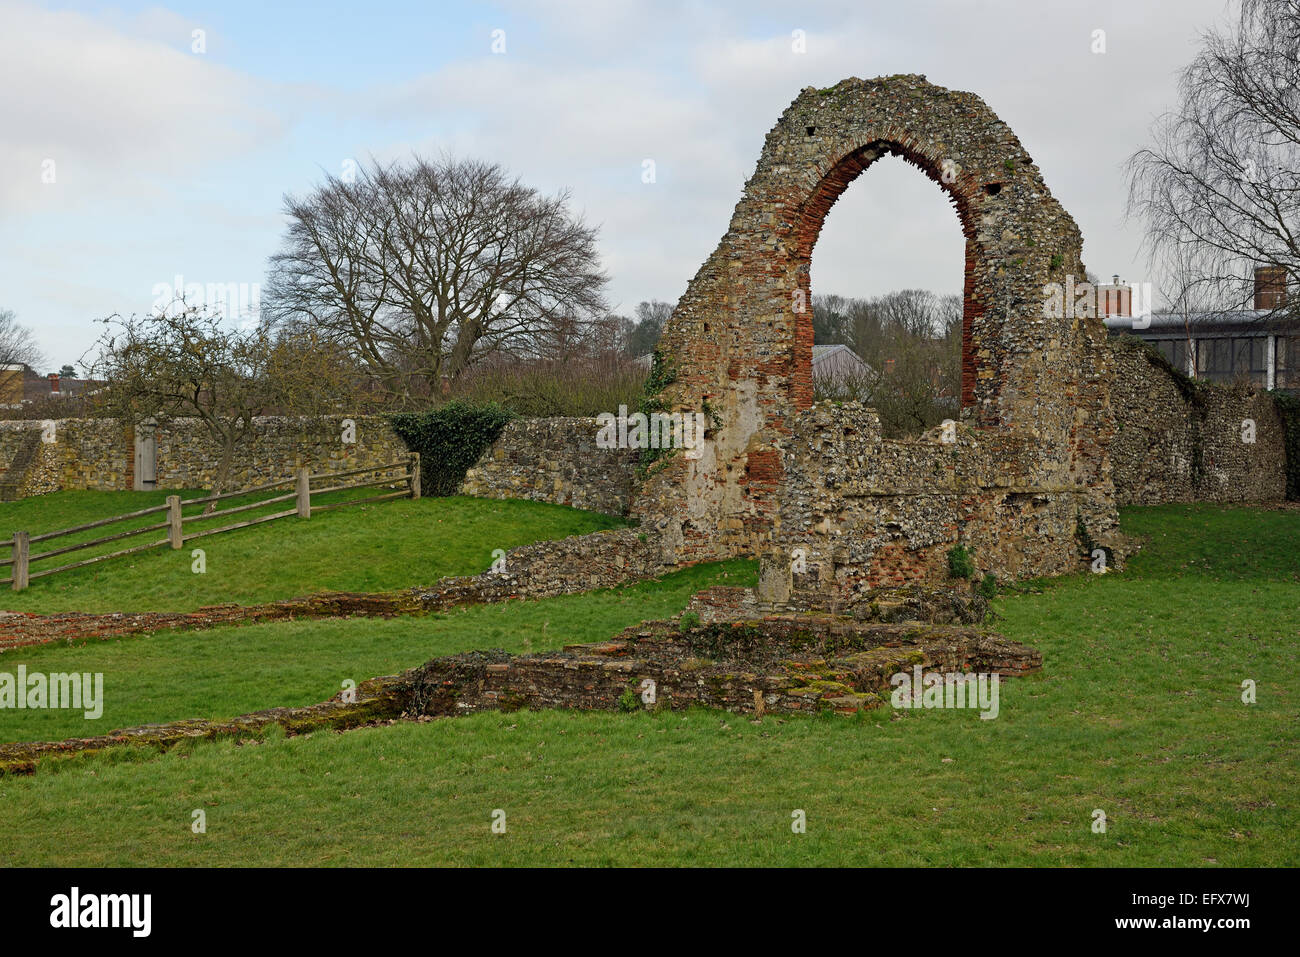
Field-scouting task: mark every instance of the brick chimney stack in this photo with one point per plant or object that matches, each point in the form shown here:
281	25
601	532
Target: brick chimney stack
1270	287
1115	299
54	383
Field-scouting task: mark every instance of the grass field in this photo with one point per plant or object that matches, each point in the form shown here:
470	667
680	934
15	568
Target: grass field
374	547
1138	713
228	671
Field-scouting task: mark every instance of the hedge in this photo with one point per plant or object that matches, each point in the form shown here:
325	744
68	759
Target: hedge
449	439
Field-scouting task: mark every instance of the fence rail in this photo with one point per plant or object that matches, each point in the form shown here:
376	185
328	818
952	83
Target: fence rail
406	471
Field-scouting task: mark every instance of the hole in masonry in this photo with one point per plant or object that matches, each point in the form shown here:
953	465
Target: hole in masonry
993	188
812	130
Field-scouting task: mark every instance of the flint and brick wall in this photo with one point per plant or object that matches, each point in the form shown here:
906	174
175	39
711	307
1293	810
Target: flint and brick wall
555	460
774	474
100	453
861	514
1179	441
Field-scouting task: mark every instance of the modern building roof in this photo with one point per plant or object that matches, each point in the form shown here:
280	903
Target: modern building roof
1241	321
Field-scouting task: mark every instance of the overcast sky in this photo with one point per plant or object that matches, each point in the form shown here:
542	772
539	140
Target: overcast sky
170	162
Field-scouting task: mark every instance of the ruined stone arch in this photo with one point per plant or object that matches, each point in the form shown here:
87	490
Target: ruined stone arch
1035	395
812	217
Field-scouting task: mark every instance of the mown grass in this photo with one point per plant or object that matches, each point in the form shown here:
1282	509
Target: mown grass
228	671
1138	713
373	547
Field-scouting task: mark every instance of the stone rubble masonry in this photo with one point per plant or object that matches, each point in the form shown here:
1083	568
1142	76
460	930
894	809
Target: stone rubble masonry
950	604
86	454
1030	470
860	513
100	453
787	665
22	474
555	460
1179	441
782	665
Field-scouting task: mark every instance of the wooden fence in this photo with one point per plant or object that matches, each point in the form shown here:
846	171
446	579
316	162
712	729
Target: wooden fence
407	473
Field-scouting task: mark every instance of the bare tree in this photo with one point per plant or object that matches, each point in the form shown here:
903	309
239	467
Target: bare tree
642	335
17	344
911	342
184	362
421	269
1220	187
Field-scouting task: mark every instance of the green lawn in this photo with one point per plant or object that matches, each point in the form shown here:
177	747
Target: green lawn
375	547
232	670
1137	713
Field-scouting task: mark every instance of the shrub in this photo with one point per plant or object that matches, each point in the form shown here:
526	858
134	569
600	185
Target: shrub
629	700
581	387
449	439
662	375
960	563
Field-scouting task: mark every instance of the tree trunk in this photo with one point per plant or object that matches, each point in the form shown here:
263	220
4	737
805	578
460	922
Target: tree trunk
223	472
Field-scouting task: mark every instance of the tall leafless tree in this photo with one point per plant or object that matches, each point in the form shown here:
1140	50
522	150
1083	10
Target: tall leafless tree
1220	186
420	269
17	344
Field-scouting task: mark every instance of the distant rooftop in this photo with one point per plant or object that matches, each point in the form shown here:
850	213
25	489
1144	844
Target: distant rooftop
1262	319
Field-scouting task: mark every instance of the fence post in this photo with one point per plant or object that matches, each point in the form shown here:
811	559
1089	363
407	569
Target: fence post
21	546
304	493
415	475
174	532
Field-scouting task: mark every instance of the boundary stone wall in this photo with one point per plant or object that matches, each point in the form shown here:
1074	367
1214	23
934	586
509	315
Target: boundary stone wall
555	460
1182	441
100	453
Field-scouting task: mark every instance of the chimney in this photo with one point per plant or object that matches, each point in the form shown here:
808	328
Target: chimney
54	383
1115	299
1270	287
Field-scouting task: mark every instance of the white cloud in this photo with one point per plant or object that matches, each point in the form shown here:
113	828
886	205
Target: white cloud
585	93
115	112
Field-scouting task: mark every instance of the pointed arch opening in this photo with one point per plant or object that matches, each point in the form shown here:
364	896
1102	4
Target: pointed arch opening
884	255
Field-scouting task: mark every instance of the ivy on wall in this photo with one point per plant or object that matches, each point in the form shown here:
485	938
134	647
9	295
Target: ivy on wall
1288	409
663	373
449	439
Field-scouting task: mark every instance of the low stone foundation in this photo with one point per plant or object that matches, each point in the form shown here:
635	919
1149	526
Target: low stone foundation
794	664
798	664
378	699
957	603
